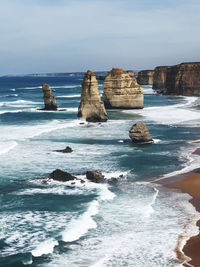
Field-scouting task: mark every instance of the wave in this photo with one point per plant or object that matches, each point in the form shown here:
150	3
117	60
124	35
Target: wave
5	147
30	88
66	86
68	96
18	103
79	227
44	248
171	114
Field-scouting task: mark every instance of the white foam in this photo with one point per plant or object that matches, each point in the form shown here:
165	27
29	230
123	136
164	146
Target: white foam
45	248
156	141
30	88
66	86
170	114
68	96
80	226
149	210
19	103
7	146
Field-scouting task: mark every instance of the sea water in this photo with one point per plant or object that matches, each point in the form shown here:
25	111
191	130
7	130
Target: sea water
131	222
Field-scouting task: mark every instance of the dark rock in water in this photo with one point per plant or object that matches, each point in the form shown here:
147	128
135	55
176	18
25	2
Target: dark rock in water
145	77
159	77
95	177
139	133
49	99
91	108
66	150
61	176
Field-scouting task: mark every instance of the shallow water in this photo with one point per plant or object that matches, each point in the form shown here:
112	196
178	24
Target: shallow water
128	223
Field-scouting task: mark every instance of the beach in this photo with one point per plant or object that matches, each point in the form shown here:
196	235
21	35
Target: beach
189	183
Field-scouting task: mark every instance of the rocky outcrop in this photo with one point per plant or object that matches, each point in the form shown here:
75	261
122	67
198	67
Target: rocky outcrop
159	78
66	150
49	99
121	91
61	176
91	108
183	79
139	133
145	77
94	176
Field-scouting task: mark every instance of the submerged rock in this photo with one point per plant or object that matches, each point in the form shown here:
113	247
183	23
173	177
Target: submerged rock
95	177
59	175
91	108
121	91
140	133
145	77
66	150
49	99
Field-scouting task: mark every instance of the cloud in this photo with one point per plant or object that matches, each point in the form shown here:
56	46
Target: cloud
74	35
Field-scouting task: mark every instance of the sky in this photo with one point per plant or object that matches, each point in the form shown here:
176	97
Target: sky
40	36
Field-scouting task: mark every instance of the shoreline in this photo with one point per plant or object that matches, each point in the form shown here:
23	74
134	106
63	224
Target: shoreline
188	247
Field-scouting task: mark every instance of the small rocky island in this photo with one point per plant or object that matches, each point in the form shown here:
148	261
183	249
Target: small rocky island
91	108
49	99
145	77
140	133
121	91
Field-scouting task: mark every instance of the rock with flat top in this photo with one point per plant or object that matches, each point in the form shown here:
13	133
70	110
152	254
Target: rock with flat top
121	91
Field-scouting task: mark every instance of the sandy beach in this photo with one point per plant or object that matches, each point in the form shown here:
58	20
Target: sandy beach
188	183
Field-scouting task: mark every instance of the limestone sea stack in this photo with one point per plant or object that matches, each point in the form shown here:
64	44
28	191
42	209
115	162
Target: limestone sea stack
91	108
140	133
145	77
183	79
49	99
121	91
159	77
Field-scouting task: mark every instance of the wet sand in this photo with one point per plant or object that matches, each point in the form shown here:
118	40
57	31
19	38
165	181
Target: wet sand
188	183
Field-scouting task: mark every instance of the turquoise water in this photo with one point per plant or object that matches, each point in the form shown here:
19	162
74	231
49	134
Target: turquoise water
128	223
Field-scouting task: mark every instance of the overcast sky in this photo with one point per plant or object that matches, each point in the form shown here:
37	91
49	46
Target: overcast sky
76	35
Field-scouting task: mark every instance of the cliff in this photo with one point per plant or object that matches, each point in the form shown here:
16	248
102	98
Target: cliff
91	108
121	91
49	99
159	77
145	77
183	79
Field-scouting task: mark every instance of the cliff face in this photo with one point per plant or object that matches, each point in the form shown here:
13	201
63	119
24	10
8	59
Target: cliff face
159	77
183	79
121	91
49	99
145	77
91	108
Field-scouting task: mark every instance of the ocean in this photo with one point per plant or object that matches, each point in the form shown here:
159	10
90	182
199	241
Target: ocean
131	222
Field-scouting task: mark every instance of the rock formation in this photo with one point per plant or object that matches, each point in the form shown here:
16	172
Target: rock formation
66	150
183	79
145	77
91	108
159	78
61	176
121	91
49	99
139	133
94	176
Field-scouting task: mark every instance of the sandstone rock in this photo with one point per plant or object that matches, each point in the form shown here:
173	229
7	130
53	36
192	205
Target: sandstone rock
139	133
121	91
183	79
159	78
94	176
145	77
49	99
66	150
91	108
